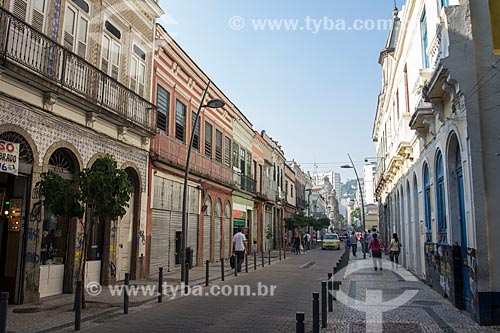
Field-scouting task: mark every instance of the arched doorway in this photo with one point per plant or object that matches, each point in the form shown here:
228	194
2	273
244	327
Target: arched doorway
227	230
127	227
409	249
217	230
15	200
458	219
418	238
58	233
207	226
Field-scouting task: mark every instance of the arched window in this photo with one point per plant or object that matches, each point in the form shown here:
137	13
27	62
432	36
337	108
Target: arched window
440	199
427	204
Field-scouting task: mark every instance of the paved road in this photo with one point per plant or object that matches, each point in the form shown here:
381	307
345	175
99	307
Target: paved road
295	278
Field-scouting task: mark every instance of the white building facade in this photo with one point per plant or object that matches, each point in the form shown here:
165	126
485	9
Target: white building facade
436	135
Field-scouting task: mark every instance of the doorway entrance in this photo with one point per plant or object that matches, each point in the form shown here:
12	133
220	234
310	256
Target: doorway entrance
14	228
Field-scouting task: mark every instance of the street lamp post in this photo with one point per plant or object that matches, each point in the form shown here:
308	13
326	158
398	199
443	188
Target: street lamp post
347	166
213	103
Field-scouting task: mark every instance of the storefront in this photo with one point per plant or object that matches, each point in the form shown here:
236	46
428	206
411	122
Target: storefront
242	216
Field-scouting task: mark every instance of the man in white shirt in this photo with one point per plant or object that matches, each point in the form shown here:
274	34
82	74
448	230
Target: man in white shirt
239	247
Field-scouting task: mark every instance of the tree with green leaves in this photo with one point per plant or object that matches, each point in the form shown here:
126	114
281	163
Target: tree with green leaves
104	189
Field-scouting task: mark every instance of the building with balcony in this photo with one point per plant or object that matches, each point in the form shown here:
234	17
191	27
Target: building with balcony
74	85
178	85
290	192
436	133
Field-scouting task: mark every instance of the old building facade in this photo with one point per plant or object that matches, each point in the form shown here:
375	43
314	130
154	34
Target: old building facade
435	135
74	85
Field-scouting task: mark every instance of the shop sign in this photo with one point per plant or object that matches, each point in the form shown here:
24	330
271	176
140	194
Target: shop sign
9	157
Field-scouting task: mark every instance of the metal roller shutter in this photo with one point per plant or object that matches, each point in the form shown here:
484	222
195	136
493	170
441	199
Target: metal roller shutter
227	230
193	224
207	219
160	245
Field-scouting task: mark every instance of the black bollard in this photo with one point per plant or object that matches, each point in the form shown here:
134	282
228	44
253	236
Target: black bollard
284	253
334	284
269	257
330	292
246	263
323	304
186	276
222	269
4	303
299	326
315	312
280	253
262	258
78	305
125	295
255	261
160	285
207	272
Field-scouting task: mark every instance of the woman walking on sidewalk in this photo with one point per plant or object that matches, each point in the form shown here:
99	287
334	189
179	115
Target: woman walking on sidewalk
354	243
375	246
395	248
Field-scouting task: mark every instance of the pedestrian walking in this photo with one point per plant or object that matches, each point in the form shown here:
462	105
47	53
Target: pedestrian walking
366	241
354	242
395	248
239	247
376	250
307	241
296	242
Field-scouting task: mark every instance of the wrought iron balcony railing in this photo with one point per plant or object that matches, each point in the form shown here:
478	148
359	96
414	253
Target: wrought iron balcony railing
34	51
244	182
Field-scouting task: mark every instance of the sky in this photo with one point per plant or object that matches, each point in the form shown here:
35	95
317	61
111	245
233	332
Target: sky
305	71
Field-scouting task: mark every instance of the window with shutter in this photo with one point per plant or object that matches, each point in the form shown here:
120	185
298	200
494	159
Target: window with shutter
236	158
227	151
32	12
196	131
75	32
180	121
137	75
208	139
218	146
110	58
163	104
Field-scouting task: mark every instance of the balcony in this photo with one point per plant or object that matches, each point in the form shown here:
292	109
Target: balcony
171	151
24	46
244	183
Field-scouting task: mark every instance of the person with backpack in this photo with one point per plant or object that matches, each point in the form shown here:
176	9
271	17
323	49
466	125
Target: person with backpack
376	248
395	249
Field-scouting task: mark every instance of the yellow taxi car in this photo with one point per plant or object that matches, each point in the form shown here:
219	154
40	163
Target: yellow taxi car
331	241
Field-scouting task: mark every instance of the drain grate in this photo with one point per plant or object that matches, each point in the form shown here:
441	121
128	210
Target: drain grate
26	310
426	303
309	264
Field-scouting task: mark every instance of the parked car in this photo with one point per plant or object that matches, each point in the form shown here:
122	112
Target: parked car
330	241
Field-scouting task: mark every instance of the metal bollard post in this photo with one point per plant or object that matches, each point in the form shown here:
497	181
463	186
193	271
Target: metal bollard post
246	263
323	305
160	285
236	262
186	276
299	326
334	284
269	257
125	295
222	269
280	253
207	272
262	258
284	252
78	305
315	312
4	303
330	292
255	261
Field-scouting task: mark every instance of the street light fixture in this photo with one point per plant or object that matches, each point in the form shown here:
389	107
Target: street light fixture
347	166
214	104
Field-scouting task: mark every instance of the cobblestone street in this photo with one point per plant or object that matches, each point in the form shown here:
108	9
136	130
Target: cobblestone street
296	278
